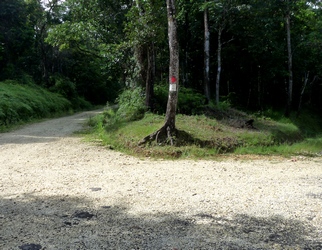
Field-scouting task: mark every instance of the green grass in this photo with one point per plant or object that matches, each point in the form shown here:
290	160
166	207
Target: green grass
207	137
24	103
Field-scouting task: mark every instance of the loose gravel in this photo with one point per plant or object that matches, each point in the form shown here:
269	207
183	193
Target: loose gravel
58	192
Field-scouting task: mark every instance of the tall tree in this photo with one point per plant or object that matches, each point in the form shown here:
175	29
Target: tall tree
221	11
94	30
16	38
145	32
290	59
206	54
173	66
169	127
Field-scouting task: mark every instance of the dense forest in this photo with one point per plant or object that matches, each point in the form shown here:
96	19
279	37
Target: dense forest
250	54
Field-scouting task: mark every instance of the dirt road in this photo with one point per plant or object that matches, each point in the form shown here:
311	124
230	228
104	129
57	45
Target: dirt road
57	192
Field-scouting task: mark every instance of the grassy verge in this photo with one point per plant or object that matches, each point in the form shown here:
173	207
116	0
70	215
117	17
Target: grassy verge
205	136
24	103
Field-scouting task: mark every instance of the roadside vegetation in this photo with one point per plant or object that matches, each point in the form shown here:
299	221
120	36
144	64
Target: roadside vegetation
210	132
88	52
22	103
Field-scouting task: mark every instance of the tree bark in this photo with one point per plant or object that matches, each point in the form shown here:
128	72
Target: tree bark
306	78
146	61
220	30
167	131
290	62
150	76
305	84
173	66
206	55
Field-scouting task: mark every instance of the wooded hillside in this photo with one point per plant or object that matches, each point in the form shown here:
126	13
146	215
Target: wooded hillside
247	53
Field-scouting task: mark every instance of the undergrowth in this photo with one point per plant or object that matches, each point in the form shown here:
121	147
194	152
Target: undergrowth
205	136
23	103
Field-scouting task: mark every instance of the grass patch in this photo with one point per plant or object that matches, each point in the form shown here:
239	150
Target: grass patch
24	103
204	136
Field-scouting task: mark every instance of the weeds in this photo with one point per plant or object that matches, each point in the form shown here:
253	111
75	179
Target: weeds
202	136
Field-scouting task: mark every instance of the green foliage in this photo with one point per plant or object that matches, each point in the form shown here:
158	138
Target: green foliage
105	43
309	124
22	103
206	137
62	85
190	102
161	93
17	37
223	105
146	22
131	105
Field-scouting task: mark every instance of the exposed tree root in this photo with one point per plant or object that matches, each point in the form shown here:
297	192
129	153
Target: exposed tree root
165	135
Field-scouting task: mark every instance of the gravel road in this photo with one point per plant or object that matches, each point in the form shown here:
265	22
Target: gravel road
58	192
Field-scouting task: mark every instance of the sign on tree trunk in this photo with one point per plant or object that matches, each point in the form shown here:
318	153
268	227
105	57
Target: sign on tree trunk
173	66
169	127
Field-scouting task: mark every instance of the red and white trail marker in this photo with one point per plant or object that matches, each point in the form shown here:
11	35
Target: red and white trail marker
173	84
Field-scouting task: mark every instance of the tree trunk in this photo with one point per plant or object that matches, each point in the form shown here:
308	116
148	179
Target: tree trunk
259	88
146	62
290	62
206	55
168	130
306	78
141	60
185	72
220	30
173	66
150	76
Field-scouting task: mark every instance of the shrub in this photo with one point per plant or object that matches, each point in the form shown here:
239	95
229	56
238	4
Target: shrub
131	104
190	102
62	85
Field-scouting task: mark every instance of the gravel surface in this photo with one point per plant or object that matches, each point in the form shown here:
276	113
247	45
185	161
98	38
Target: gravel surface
57	192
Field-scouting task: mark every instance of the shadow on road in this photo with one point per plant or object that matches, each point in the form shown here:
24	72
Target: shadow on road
63	222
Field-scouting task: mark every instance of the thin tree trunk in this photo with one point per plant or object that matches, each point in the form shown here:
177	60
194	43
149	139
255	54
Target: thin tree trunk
149	84
259	88
220	30
144	53
186	48
306	78
206	55
290	62
141	56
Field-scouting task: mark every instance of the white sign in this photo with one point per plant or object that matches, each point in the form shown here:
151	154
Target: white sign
173	87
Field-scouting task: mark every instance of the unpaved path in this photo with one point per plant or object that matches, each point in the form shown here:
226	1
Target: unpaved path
57	192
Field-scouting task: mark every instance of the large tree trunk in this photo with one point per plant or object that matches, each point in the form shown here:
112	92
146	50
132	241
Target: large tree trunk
290	63
173	66
206	55
168	130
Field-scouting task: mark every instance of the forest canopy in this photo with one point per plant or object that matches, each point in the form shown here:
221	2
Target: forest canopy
260	54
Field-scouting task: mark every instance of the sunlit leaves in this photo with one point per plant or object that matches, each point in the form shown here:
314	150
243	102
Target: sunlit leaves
146	22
